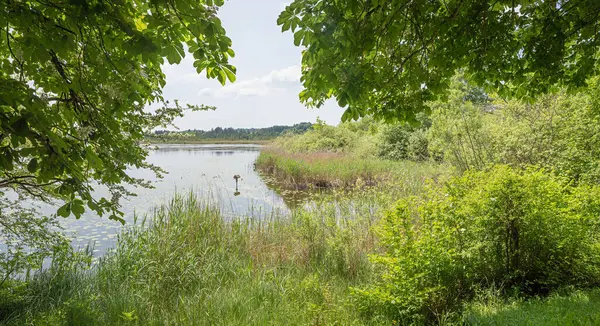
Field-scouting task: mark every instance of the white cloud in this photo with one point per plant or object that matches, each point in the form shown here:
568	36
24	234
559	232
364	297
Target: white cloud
289	74
275	81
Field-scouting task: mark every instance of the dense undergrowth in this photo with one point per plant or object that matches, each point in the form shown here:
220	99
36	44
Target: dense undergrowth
523	232
337	262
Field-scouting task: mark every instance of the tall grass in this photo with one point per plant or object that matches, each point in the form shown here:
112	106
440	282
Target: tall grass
333	170
194	267
186	264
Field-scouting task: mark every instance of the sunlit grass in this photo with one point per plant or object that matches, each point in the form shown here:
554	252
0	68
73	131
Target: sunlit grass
571	308
188	264
333	170
195	267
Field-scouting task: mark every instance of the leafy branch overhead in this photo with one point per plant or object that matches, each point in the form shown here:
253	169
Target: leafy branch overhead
388	57
75	77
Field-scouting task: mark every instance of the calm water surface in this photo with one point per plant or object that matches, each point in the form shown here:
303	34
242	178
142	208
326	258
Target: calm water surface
207	170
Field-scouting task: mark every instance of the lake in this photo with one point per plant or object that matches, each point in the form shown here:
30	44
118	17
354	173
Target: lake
206	170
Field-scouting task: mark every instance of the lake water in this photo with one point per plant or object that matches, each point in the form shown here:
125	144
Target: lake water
207	170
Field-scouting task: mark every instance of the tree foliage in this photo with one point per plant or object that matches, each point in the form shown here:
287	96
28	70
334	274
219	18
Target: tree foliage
387	58
75	77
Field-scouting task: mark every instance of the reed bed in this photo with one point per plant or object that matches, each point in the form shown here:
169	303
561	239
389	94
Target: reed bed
188	264
325	170
192	266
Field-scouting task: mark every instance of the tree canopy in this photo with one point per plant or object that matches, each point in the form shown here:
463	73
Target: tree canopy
388	57
75	79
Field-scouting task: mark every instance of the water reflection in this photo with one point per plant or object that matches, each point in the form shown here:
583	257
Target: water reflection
236	178
292	198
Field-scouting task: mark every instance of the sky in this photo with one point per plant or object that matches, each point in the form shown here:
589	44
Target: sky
268	75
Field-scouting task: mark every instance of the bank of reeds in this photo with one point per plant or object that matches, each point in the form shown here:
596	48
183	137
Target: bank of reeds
325	170
192	266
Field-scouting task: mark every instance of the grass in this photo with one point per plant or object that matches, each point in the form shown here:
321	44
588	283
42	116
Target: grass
333	170
193	267
185	264
576	307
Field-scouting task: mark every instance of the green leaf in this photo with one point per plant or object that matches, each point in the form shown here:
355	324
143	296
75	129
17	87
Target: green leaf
21	127
32	165
230	74
116	218
341	99
222	77
284	17
77	208
298	36
64	210
346	116
6	160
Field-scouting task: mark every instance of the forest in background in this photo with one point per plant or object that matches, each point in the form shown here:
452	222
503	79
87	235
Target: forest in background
220	134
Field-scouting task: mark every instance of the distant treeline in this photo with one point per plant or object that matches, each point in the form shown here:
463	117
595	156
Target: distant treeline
230	134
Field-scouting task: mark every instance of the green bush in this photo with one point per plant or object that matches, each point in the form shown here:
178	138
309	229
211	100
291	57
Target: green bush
558	131
321	138
526	231
402	141
394	140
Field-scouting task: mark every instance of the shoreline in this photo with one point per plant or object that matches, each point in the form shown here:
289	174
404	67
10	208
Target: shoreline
210	141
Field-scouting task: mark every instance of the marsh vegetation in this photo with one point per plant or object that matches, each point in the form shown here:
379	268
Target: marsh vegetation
430	226
461	187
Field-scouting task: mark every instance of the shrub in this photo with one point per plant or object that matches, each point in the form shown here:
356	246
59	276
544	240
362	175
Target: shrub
402	141
393	144
27	239
527	231
558	131
321	138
